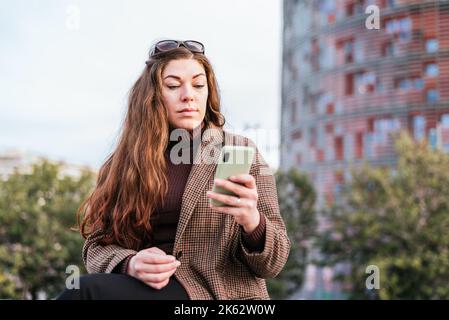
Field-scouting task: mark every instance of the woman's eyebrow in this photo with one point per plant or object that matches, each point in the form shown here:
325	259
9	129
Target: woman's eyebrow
179	78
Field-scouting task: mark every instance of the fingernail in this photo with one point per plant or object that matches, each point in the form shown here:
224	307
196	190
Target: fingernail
232	177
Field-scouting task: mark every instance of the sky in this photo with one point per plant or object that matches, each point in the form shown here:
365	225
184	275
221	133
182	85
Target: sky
66	68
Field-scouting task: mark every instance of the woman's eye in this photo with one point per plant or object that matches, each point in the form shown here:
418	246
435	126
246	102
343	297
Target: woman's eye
174	87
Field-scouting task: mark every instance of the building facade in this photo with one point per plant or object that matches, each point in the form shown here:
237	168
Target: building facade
347	87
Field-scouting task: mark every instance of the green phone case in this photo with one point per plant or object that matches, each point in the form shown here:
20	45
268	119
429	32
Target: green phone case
233	160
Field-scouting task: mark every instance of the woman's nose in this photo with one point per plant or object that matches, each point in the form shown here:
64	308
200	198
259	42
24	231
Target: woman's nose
187	94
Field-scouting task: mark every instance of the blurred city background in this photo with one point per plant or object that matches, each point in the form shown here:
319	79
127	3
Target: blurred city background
347	89
348	101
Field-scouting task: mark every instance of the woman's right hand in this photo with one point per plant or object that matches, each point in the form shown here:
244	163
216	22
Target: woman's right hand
153	266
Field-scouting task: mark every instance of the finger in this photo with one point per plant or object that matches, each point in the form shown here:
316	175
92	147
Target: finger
233	211
158	286
156	277
150	257
155	250
226	199
156	268
239	190
245	179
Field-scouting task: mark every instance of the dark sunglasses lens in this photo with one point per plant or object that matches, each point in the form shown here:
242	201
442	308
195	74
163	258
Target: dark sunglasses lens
167	45
195	46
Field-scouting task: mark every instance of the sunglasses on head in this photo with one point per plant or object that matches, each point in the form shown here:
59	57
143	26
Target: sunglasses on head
167	45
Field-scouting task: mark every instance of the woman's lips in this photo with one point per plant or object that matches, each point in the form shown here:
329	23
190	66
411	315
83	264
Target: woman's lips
188	112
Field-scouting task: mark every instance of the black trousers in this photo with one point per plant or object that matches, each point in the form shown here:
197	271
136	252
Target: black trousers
114	286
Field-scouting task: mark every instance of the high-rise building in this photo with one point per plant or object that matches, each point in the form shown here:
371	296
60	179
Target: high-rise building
346	88
354	73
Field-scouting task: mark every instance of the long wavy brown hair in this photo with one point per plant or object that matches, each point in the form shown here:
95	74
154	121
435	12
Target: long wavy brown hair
133	180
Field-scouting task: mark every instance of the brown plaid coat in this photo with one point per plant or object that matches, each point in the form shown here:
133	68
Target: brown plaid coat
215	264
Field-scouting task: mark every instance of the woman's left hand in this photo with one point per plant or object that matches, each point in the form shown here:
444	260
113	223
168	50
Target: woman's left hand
242	207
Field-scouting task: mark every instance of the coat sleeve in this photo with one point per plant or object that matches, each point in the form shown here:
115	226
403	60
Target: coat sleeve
103	259
276	248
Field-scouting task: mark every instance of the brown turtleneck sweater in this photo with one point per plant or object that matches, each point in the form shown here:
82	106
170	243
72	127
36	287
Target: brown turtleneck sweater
164	220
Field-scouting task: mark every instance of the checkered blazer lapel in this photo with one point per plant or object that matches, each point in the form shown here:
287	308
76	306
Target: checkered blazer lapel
199	176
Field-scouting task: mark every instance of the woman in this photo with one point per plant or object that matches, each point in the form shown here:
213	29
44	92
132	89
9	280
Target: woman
150	232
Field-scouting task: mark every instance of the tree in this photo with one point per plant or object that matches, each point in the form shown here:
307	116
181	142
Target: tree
396	219
37	211
296	201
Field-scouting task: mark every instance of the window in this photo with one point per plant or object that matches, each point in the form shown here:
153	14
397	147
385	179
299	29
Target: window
328	9
432	95
359	54
418	83
388	3
392	26
312	136
389	49
290	59
400	28
370	124
315	55
383	128
327	57
348	51
445	120
432	69
433	138
359	7
314	102
339	177
404	84
419	127
444	132
320	137
359	145
365	82
350	9
296	135
294	106
339	180
409	83
320	155
405	29
324	100
368	145
349	84
432	45
338	148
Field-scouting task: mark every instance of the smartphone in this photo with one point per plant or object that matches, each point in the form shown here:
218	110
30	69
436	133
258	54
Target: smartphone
233	160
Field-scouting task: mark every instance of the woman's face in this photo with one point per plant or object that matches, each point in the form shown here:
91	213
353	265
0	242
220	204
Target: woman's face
184	92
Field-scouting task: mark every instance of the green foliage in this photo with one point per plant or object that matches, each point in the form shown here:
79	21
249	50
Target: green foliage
37	211
296	200
396	219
